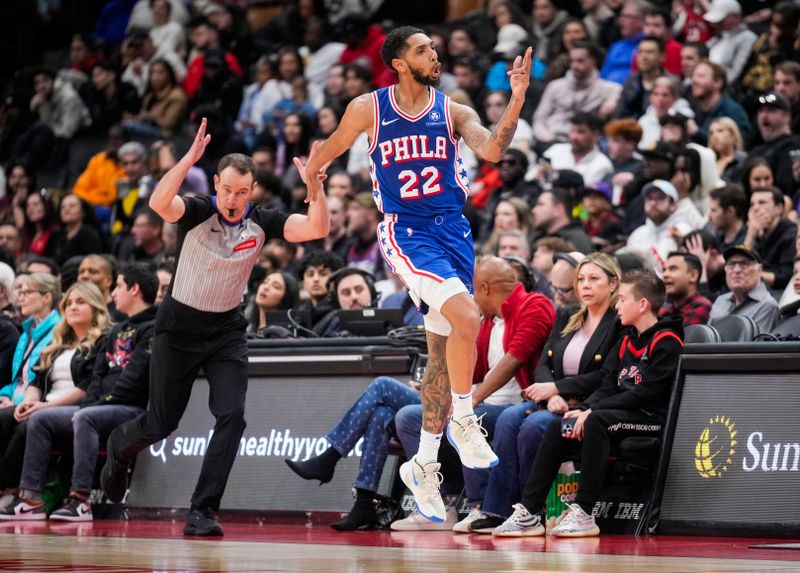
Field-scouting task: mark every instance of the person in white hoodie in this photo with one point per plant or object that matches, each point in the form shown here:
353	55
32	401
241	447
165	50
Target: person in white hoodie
657	238
664	100
581	89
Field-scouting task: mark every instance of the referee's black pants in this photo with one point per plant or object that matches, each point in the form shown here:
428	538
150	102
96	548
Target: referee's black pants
174	366
602	427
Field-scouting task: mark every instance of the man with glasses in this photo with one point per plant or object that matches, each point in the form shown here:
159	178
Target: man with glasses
748	294
562	278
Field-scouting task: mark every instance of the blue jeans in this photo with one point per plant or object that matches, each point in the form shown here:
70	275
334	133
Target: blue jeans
409	424
371	417
89	429
517	435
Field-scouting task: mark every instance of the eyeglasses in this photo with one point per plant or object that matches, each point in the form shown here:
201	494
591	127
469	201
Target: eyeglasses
28	292
559	290
741	265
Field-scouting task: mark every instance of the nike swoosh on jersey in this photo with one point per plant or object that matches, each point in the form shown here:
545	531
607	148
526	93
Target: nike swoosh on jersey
384	122
467	233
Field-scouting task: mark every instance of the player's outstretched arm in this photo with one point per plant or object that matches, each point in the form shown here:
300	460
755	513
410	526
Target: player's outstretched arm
357	118
165	200
491	145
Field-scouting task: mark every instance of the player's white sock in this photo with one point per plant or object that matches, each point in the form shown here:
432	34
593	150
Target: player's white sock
462	405
428	447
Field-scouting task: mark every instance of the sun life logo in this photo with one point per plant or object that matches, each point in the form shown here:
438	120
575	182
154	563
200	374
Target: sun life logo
714	451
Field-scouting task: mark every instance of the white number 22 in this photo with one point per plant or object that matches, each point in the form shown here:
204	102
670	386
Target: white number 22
410	189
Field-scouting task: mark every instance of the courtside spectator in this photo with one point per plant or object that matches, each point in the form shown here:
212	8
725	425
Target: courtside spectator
771	235
748	294
681	278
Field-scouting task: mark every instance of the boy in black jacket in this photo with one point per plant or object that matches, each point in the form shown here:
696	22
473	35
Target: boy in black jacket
117	393
632	401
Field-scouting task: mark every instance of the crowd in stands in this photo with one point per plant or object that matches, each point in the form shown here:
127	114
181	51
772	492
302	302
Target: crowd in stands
661	136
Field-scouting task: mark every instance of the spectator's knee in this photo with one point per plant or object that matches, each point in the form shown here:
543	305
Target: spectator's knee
406	419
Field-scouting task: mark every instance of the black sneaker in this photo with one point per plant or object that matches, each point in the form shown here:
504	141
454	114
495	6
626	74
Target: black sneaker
202	522
114	477
486	524
74	509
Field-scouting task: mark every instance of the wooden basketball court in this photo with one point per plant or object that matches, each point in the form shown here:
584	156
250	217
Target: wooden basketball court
142	546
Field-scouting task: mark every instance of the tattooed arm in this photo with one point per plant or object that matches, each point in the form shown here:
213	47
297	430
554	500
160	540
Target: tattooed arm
435	390
491	145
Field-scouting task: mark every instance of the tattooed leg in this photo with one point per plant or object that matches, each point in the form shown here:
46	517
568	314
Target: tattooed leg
435	389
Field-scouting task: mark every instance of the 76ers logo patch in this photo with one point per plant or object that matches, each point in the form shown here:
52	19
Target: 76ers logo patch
248	244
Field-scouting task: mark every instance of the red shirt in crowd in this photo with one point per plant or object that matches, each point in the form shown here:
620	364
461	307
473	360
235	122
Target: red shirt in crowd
529	318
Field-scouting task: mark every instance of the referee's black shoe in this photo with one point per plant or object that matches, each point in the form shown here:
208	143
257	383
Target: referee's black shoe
202	522
114	477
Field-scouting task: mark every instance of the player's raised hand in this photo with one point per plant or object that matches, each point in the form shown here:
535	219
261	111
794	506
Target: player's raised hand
520	73
199	144
313	181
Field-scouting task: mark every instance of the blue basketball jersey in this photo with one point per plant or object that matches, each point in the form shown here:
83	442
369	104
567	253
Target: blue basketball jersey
414	161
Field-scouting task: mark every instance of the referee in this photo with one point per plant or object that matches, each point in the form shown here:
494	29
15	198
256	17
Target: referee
199	325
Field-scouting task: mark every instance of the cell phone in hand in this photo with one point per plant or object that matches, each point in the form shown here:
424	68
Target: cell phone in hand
567	425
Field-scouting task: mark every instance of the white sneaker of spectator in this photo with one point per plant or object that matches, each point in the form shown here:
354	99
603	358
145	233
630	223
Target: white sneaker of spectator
416	522
521	524
576	523
469	439
463	526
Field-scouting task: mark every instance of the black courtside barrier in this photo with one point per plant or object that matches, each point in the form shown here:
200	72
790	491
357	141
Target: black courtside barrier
730	464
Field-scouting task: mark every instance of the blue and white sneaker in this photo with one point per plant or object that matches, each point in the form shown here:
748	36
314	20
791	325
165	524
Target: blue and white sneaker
424	482
469	439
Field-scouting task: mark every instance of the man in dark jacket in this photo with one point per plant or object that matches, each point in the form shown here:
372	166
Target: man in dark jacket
117	393
631	401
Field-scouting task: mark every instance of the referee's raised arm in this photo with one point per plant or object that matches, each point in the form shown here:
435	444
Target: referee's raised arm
165	200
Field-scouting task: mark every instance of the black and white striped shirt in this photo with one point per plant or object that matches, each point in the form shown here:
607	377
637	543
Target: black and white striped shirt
215	257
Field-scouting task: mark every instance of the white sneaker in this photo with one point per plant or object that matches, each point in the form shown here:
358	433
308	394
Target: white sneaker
576	523
521	524
424	482
416	522
469	439
463	526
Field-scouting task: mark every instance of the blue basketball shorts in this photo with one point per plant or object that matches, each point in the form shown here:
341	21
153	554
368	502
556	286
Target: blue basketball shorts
434	257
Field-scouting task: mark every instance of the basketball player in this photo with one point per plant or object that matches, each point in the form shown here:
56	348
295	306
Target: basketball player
199	324
420	185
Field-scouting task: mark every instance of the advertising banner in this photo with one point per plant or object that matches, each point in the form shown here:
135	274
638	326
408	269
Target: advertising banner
735	458
286	418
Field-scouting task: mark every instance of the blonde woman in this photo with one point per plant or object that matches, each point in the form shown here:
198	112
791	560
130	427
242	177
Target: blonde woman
569	369
57	373
725	140
65	367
